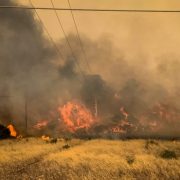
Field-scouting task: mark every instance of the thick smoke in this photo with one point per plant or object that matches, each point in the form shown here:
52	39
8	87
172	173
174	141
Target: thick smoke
149	95
32	72
26	71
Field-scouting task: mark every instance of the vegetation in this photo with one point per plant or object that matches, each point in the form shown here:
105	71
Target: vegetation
168	154
94	159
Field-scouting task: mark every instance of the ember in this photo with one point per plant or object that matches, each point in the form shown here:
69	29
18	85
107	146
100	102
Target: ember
122	127
45	138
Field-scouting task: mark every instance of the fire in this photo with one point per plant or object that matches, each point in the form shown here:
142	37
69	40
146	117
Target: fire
122	127
159	117
45	138
41	124
122	110
76	116
12	130
166	113
118	130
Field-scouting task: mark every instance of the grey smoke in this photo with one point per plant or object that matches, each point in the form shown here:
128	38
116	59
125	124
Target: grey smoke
31	69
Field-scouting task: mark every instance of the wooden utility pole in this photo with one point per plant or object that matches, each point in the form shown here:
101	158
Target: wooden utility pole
95	108
26	114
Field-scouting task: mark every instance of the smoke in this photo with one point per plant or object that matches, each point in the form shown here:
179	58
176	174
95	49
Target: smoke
25	65
148	94
123	84
31	70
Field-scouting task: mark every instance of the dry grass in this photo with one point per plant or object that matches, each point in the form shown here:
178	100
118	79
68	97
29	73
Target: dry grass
96	159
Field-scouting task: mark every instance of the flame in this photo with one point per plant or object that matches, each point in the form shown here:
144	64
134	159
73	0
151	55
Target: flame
76	116
12	130
41	124
122	110
122	127
45	138
159	117
118	130
166	113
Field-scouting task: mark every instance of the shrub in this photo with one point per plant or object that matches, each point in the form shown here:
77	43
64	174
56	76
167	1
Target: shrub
130	159
66	146
150	142
167	154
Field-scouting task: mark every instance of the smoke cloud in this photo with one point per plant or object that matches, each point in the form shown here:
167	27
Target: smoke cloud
31	70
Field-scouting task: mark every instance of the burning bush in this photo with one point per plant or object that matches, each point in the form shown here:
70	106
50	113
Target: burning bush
7	132
76	116
12	130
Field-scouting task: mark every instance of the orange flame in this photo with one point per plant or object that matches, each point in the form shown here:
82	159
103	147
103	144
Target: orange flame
118	130
12	130
76	116
45	138
122	127
122	110
41	124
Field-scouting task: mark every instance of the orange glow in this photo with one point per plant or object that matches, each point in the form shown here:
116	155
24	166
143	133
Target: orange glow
45	138
12	130
76	116
122	127
41	124
122	110
118	130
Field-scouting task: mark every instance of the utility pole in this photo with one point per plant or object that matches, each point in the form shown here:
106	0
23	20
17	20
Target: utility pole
26	114
95	108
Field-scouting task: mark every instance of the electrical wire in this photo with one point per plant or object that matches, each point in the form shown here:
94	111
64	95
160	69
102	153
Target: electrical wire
67	40
79	39
92	9
47	32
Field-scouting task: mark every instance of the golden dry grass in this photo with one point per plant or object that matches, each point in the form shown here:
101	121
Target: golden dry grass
95	159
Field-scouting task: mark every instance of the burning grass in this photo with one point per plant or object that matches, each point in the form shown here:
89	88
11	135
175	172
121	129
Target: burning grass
33	158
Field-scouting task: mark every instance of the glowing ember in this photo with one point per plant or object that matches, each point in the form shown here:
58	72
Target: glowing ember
12	130
122	127
118	130
45	138
76	116
41	124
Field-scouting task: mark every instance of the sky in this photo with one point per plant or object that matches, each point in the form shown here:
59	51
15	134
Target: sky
154	31
142	38
107	22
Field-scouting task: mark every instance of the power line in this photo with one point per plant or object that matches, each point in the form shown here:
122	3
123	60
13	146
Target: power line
49	36
67	40
79	39
92	9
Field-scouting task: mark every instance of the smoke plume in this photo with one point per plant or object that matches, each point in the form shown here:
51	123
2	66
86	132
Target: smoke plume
32	72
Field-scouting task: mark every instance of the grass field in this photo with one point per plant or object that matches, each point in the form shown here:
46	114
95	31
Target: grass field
33	158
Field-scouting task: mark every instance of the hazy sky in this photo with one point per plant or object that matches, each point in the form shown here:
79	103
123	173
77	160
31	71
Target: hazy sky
153	30
117	24
143	38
